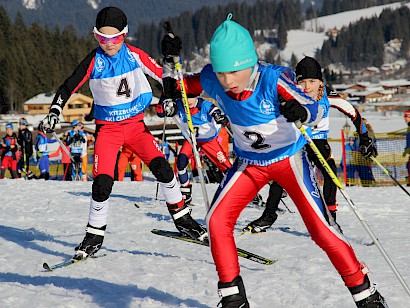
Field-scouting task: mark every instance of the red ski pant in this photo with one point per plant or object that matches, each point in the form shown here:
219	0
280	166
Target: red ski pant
294	174
212	149
132	134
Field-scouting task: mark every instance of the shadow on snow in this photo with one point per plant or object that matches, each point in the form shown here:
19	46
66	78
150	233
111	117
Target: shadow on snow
104	293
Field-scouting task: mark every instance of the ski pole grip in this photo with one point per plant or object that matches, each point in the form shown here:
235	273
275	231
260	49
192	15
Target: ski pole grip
167	27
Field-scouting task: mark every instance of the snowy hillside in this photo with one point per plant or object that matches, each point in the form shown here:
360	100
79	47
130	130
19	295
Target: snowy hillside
307	42
43	221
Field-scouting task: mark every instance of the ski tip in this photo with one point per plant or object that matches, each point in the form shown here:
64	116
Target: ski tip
136	205
270	262
47	267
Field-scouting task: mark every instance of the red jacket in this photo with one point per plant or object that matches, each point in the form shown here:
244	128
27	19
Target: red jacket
65	159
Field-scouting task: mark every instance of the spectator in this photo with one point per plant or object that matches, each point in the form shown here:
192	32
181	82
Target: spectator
351	153
25	141
41	147
84	155
9	157
127	156
75	141
364	164
407	148
65	159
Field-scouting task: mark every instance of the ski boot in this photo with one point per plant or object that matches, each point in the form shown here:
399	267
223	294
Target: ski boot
232	294
262	223
186	224
30	175
366	295
258	200
186	192
91	243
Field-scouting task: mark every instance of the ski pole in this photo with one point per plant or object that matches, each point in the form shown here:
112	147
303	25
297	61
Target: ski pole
177	62
389	174
352	206
162	148
63	146
186	135
283	202
229	131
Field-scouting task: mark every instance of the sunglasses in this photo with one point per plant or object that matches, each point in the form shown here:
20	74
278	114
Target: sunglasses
113	38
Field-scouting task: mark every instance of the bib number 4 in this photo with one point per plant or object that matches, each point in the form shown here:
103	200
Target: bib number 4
123	88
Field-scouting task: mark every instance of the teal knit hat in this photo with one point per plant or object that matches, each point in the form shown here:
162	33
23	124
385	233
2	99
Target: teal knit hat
232	48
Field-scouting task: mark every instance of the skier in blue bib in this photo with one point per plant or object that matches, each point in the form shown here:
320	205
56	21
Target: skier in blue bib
263	102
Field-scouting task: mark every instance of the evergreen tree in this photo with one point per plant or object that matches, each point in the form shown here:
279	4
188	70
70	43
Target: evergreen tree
282	32
293	61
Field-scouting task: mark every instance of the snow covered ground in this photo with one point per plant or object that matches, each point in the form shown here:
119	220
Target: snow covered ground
43	221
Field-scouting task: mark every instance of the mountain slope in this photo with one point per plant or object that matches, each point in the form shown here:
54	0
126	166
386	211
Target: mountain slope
81	13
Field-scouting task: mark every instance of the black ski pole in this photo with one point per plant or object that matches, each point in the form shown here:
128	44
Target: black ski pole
283	202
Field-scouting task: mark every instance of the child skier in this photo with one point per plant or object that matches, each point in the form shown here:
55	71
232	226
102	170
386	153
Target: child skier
309	77
9	154
269	147
207	120
121	94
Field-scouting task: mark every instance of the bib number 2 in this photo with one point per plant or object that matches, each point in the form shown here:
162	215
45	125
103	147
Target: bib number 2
257	139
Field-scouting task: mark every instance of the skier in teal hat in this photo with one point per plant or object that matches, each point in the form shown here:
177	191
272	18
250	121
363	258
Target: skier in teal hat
263	102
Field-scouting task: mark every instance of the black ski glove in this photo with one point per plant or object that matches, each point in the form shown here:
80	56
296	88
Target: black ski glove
170	88
293	111
219	117
366	146
171	45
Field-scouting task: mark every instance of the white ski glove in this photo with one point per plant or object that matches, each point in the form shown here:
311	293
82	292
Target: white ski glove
48	124
170	107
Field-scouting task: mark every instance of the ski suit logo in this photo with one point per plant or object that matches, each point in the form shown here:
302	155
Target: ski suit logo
100	64
221	157
130	56
243	62
266	107
60	101
315	192
96	163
